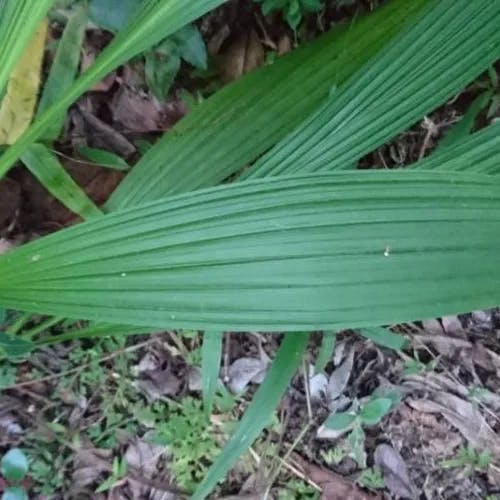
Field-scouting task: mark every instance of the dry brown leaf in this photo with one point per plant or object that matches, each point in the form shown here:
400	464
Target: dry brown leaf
89	464
246	370
242	56
453	326
340	377
334	486
140	112
395	472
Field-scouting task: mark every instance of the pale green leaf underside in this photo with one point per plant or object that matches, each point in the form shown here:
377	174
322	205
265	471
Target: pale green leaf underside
211	351
327	251
244	119
423	66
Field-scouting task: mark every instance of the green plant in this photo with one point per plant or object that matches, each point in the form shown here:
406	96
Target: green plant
14	466
293	10
296	489
469	459
295	244
371	478
189	438
353	421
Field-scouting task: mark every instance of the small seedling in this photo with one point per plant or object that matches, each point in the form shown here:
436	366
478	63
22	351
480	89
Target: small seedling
469	459
293	10
118	472
414	366
368	414
371	479
334	455
13	468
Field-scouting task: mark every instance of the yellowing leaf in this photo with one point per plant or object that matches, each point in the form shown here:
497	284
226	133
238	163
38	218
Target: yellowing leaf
18	105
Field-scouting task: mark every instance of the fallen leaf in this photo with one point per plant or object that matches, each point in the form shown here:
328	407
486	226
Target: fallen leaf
395	472
318	386
340	377
18	105
453	326
195	382
245	370
432	326
140	112
143	457
242	56
333	486
89	464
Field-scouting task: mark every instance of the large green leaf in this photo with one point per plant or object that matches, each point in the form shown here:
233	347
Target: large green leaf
319	252
155	20
18	22
244	119
423	66
259	414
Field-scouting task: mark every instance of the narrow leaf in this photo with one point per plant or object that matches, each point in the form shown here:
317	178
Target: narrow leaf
384	337
46	168
18	105
244	119
211	353
463	127
104	158
64	69
155	20
301	253
260	411
449	46
326	350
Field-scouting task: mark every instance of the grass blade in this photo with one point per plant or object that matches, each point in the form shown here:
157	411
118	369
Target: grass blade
463	127
260	411
156	20
64	69
43	164
19	20
422	67
277	254
247	117
211	353
384	337
326	350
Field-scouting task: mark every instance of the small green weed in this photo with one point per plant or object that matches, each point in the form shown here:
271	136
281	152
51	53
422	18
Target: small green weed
189	437
297	490
293	10
371	413
371	479
469	459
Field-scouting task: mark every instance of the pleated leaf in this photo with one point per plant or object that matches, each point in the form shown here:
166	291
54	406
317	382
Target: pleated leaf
211	351
44	165
155	20
478	153
427	63
244	119
327	251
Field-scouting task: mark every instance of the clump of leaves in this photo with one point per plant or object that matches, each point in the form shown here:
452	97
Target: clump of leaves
14	467
469	459
297	489
372	479
371	413
293	10
163	62
189	437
